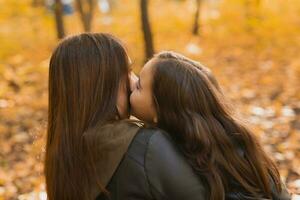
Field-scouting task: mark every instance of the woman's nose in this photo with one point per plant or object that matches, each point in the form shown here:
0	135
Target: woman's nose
133	80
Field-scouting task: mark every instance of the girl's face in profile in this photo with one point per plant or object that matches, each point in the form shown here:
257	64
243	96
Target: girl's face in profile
141	98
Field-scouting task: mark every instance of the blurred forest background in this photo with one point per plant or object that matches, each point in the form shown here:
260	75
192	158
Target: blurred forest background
252	46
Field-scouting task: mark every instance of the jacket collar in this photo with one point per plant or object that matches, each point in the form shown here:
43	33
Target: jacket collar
111	142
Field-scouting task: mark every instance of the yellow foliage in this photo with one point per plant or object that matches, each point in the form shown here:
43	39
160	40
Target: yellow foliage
253	51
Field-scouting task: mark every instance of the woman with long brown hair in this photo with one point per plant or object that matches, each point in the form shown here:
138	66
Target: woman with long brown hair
88	82
93	151
182	97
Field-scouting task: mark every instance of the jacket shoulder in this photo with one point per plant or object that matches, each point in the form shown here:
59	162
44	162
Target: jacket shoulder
139	145
168	173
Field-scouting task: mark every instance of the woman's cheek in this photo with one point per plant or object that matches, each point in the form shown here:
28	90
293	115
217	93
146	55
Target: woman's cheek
131	98
133	101
137	105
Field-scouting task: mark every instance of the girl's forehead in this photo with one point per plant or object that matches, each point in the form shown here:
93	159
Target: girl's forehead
147	69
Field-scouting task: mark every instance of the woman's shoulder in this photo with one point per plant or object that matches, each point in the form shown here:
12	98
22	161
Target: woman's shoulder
150	141
167	170
156	146
142	142
152	135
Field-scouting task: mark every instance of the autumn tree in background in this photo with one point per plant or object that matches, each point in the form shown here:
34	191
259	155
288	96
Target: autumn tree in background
36	3
58	9
196	19
252	13
147	34
86	10
251	46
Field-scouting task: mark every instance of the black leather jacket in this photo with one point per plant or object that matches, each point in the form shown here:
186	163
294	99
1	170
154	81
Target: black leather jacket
154	169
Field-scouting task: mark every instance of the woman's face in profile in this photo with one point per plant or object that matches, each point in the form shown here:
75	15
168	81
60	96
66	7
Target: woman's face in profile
141	98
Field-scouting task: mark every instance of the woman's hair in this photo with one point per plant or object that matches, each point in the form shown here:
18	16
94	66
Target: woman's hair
84	78
220	148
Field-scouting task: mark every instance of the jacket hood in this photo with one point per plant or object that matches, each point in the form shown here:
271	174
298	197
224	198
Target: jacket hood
110	143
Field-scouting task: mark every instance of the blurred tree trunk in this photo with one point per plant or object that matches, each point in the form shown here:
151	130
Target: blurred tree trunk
86	10
252	13
148	41
36	3
196	20
59	19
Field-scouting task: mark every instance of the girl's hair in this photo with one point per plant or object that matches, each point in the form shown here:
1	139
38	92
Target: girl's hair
220	148
84	78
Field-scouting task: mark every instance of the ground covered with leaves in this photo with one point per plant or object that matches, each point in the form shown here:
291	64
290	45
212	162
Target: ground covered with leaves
254	54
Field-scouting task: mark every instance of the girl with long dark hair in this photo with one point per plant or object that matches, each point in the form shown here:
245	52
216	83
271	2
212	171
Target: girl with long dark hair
183	98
